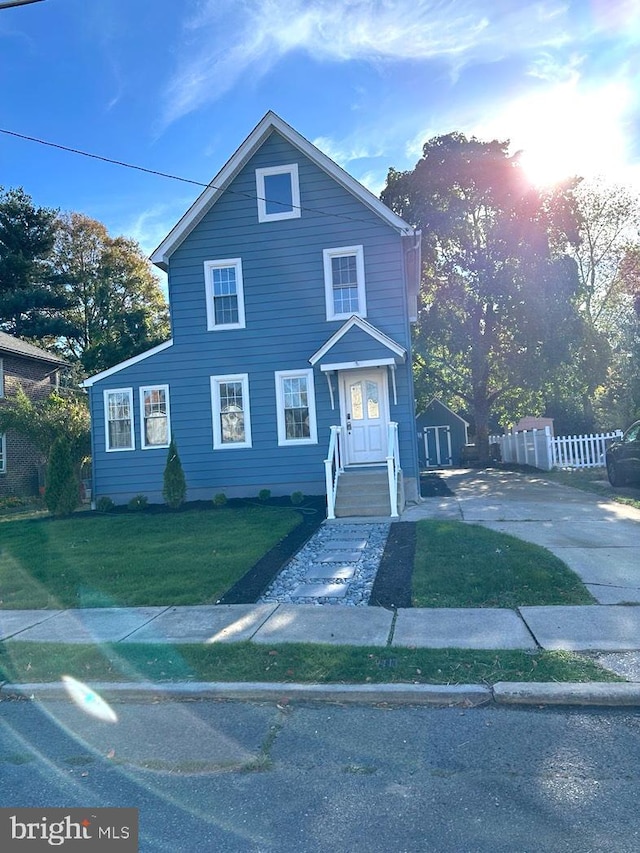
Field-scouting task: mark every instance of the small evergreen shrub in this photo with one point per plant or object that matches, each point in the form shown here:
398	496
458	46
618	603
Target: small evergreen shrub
175	484
62	489
297	498
264	495
137	503
220	499
104	504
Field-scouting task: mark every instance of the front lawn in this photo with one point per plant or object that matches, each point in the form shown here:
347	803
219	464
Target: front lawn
305	663
135	559
466	565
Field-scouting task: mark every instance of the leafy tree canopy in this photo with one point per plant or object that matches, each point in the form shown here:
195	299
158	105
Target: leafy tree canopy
117	308
496	313
32	303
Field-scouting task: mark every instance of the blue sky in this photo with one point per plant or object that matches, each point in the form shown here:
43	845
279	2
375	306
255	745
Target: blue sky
176	85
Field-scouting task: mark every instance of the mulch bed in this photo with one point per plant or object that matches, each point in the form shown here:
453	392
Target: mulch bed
250	587
392	586
433	486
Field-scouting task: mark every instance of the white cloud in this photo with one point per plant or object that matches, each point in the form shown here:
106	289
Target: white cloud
347	150
226	39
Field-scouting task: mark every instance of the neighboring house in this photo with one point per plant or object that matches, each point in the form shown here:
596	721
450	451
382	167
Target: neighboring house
442	435
530	422
37	372
291	290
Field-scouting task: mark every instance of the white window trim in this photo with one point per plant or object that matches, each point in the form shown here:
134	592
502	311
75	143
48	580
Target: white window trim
211	314
129	393
216	381
291	170
1	378
143	443
327	256
283	441
3	453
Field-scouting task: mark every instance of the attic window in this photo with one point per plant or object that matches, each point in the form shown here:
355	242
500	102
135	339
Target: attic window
278	192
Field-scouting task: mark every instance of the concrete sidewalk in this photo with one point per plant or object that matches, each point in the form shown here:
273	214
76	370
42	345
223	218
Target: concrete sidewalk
589	628
598	539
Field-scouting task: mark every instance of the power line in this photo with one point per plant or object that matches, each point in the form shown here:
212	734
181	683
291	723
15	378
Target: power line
103	159
160	174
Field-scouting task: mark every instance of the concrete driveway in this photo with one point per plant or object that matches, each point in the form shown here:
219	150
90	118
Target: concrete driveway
597	538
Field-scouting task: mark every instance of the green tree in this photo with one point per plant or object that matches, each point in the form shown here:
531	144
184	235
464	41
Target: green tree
61	415
32	302
496	309
62	493
609	222
117	308
175	485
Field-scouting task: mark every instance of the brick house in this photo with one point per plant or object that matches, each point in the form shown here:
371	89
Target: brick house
37	372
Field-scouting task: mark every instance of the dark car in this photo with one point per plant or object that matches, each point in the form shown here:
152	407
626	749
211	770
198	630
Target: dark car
623	458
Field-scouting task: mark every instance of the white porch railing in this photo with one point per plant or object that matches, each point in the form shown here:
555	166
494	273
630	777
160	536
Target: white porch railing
538	448
393	466
333	467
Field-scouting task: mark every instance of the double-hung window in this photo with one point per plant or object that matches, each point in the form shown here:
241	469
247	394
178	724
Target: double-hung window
344	282
278	192
154	416
296	408
230	408
3	453
225	294
118	409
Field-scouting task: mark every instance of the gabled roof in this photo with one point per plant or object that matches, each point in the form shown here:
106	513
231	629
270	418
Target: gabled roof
15	346
435	402
127	363
393	349
270	123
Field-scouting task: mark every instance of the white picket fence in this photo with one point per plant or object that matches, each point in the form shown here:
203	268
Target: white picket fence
538	448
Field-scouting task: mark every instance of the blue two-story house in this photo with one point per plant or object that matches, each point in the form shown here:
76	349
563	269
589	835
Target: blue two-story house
292	289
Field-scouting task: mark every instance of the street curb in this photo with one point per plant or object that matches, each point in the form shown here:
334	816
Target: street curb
554	693
465	695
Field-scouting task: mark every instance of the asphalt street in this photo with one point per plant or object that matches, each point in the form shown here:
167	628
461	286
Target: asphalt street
271	777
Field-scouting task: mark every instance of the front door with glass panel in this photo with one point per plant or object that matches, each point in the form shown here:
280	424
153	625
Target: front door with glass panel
365	414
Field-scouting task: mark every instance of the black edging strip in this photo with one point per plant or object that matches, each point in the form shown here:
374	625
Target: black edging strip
392	586
252	585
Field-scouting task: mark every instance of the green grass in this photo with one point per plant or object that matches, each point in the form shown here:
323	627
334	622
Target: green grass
465	565
137	559
305	663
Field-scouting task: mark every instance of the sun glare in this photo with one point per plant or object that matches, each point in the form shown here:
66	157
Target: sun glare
564	132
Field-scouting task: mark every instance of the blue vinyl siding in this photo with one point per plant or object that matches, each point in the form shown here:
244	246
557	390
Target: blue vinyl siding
285	316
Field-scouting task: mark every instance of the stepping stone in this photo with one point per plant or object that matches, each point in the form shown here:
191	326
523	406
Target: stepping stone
346	544
342	557
323	572
320	590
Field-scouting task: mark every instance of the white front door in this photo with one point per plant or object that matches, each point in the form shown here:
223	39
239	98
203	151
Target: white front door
364	406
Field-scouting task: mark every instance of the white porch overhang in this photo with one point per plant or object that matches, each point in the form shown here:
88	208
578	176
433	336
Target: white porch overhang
358	344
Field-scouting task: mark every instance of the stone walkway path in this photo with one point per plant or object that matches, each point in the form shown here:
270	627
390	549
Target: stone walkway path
337	565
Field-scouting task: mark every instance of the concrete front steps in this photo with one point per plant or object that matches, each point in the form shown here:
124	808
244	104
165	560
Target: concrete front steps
365	492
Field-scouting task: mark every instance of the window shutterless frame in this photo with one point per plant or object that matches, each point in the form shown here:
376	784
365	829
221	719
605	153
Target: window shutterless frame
224	291
296	407
231	411
155	422
3	453
118	416
344	284
278	193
